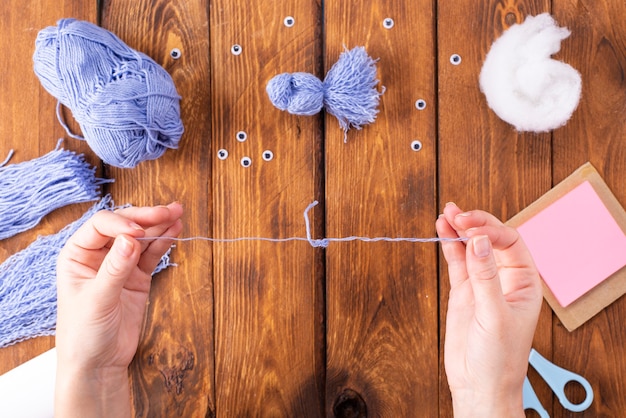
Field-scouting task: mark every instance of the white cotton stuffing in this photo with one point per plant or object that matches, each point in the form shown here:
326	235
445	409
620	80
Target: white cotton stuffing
522	84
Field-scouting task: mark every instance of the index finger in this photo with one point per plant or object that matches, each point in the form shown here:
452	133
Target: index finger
101	228
512	250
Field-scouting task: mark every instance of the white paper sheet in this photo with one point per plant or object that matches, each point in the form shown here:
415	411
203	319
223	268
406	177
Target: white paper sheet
28	390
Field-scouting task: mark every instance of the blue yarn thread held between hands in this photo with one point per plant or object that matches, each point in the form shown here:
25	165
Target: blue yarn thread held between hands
315	243
348	91
126	104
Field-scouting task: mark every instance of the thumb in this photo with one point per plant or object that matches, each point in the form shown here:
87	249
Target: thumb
117	266
483	273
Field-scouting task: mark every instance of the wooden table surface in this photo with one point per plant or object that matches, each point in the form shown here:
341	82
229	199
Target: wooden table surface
284	329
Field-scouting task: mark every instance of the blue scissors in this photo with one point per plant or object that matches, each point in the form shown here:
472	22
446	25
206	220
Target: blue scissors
556	377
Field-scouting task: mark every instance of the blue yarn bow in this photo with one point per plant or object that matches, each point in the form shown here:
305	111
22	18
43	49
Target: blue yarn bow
126	104
348	91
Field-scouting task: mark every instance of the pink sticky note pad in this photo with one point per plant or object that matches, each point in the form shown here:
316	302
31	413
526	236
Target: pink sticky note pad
576	243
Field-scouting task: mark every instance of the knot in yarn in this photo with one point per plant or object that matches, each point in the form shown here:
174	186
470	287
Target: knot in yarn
348	91
126	104
297	93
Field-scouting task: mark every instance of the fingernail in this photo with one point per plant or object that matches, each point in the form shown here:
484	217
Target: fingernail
464	214
125	248
482	246
450	203
136	226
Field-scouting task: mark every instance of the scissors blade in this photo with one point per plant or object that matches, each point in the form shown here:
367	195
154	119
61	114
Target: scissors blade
531	401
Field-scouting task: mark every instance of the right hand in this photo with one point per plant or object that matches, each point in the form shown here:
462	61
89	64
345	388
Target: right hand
494	303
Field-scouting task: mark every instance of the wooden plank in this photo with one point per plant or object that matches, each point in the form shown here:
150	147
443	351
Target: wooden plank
268	297
382	297
173	371
30	127
483	162
596	132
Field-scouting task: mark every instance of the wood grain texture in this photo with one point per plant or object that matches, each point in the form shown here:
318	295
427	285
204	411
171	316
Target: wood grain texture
29	125
483	162
268	297
284	330
382	298
173	370
596	133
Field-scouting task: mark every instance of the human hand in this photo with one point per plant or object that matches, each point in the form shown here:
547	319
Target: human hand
103	279
493	308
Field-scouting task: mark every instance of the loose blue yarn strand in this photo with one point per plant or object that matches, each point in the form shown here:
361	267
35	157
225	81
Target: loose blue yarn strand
126	104
64	125
6	160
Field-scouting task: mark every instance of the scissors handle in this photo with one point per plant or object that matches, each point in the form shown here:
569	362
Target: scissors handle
557	377
531	401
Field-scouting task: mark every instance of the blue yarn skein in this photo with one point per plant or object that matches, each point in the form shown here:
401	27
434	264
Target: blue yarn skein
348	91
126	104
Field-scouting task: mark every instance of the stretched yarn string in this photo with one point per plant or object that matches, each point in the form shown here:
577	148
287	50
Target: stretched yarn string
315	243
125	103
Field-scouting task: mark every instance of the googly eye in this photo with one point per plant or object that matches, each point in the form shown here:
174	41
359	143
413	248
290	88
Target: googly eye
416	145
289	21
268	155
222	154
246	162
420	104
388	23
175	53
236	49
455	59
241	136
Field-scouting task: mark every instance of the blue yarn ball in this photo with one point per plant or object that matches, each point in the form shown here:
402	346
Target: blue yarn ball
126	104
297	93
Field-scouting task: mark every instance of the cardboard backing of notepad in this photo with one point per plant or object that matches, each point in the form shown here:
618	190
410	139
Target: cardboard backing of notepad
610	288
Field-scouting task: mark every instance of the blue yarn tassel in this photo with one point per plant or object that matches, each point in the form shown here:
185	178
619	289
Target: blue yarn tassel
28	296
28	285
126	104
32	189
348	92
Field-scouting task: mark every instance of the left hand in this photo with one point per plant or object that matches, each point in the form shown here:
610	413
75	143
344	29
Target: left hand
103	280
